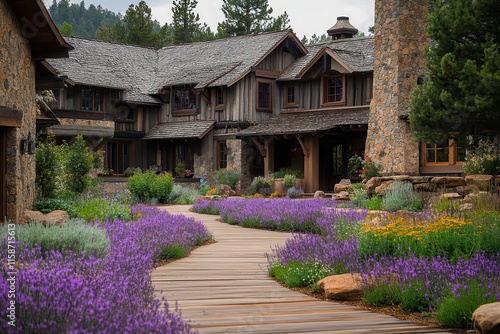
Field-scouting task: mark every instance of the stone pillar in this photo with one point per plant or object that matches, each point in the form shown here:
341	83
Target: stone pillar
311	164
398	61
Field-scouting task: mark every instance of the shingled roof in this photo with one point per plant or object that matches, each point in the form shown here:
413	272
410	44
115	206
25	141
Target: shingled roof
180	130
102	64
356	53
220	62
308	122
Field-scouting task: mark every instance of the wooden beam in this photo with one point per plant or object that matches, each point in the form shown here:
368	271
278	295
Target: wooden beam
303	145
260	146
10	117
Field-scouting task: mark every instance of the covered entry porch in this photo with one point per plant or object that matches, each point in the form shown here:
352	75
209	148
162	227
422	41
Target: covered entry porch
318	142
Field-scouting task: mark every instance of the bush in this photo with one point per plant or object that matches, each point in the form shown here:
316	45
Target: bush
262	185
401	197
227	176
284	171
132	171
370	169
46	167
294	192
181	195
301	274
76	236
482	159
78	166
93	208
148	187
50	204
289	180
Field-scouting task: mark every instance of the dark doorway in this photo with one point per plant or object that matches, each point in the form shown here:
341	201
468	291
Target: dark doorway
331	166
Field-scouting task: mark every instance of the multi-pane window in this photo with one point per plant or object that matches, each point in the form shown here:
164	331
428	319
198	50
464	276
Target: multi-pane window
184	98
447	152
221	155
290	95
92	99
118	156
334	89
264	96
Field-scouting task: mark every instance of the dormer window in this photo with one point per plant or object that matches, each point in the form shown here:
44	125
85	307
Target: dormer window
184	101
334	93
92	99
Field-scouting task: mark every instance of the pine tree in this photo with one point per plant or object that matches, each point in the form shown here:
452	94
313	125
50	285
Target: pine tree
66	29
460	94
245	17
186	26
138	26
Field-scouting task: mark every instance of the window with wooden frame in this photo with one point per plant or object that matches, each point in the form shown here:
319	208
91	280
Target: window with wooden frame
264	96
184	99
334	90
221	155
219	98
92	99
446	153
291	95
118	156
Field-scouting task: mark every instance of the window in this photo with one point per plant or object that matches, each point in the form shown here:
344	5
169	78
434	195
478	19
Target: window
92	99
221	155
184	99
334	90
264	96
118	156
448	152
219	98
291	97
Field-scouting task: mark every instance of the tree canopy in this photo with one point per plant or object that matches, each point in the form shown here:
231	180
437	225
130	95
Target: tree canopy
186	27
244	17
460	94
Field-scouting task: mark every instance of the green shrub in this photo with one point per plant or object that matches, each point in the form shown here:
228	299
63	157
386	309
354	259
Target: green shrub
50	204
359	196
93	208
46	167
150	187
457	312
374	203
78	166
262	185
294	192
227	176
76	236
182	195
302	274
382	294
370	169
284	171
482	159
289	180
401	197
204	188
132	171
171	252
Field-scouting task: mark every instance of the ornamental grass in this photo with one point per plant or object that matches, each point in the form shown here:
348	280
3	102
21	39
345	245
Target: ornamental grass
72	292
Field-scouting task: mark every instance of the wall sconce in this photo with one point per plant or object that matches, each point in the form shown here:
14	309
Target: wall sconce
28	145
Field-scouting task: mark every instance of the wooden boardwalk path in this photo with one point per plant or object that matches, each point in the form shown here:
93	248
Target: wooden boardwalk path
224	288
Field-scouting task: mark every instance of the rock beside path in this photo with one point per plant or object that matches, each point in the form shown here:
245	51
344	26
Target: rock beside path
57	217
486	318
341	287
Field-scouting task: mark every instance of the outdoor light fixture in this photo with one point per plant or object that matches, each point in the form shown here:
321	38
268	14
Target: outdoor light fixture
28	145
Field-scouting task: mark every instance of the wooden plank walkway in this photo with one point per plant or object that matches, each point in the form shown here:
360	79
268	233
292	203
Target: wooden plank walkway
224	288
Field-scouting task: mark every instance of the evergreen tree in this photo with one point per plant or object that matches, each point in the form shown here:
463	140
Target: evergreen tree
137	26
245	17
186	26
461	89
66	29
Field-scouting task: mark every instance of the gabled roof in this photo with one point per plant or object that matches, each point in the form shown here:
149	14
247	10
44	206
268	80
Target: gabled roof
313	121
353	54
101	64
220	62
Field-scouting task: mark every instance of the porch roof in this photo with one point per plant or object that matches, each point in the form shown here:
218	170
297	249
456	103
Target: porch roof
180	130
311	121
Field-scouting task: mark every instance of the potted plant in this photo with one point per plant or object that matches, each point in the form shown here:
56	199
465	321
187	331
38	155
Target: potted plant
180	169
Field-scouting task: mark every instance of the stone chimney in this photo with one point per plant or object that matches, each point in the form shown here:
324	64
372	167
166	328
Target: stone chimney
342	29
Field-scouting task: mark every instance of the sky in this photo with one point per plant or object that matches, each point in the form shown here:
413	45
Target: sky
307	17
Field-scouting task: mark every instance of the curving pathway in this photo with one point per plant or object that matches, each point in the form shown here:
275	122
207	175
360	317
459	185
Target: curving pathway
224	288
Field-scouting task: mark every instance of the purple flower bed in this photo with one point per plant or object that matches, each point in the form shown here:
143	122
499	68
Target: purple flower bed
75	293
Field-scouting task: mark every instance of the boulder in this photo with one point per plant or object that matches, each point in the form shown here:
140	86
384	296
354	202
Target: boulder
451	196
420	179
383	187
425	187
57	217
468	189
345	182
340	187
401	177
225	190
486	318
449	181
466	207
341	287
319	194
341	196
483	182
371	184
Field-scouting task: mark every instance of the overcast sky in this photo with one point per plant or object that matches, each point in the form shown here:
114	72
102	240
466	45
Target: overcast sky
307	17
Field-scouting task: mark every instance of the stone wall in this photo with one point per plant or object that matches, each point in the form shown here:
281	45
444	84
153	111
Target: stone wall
398	61
17	91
